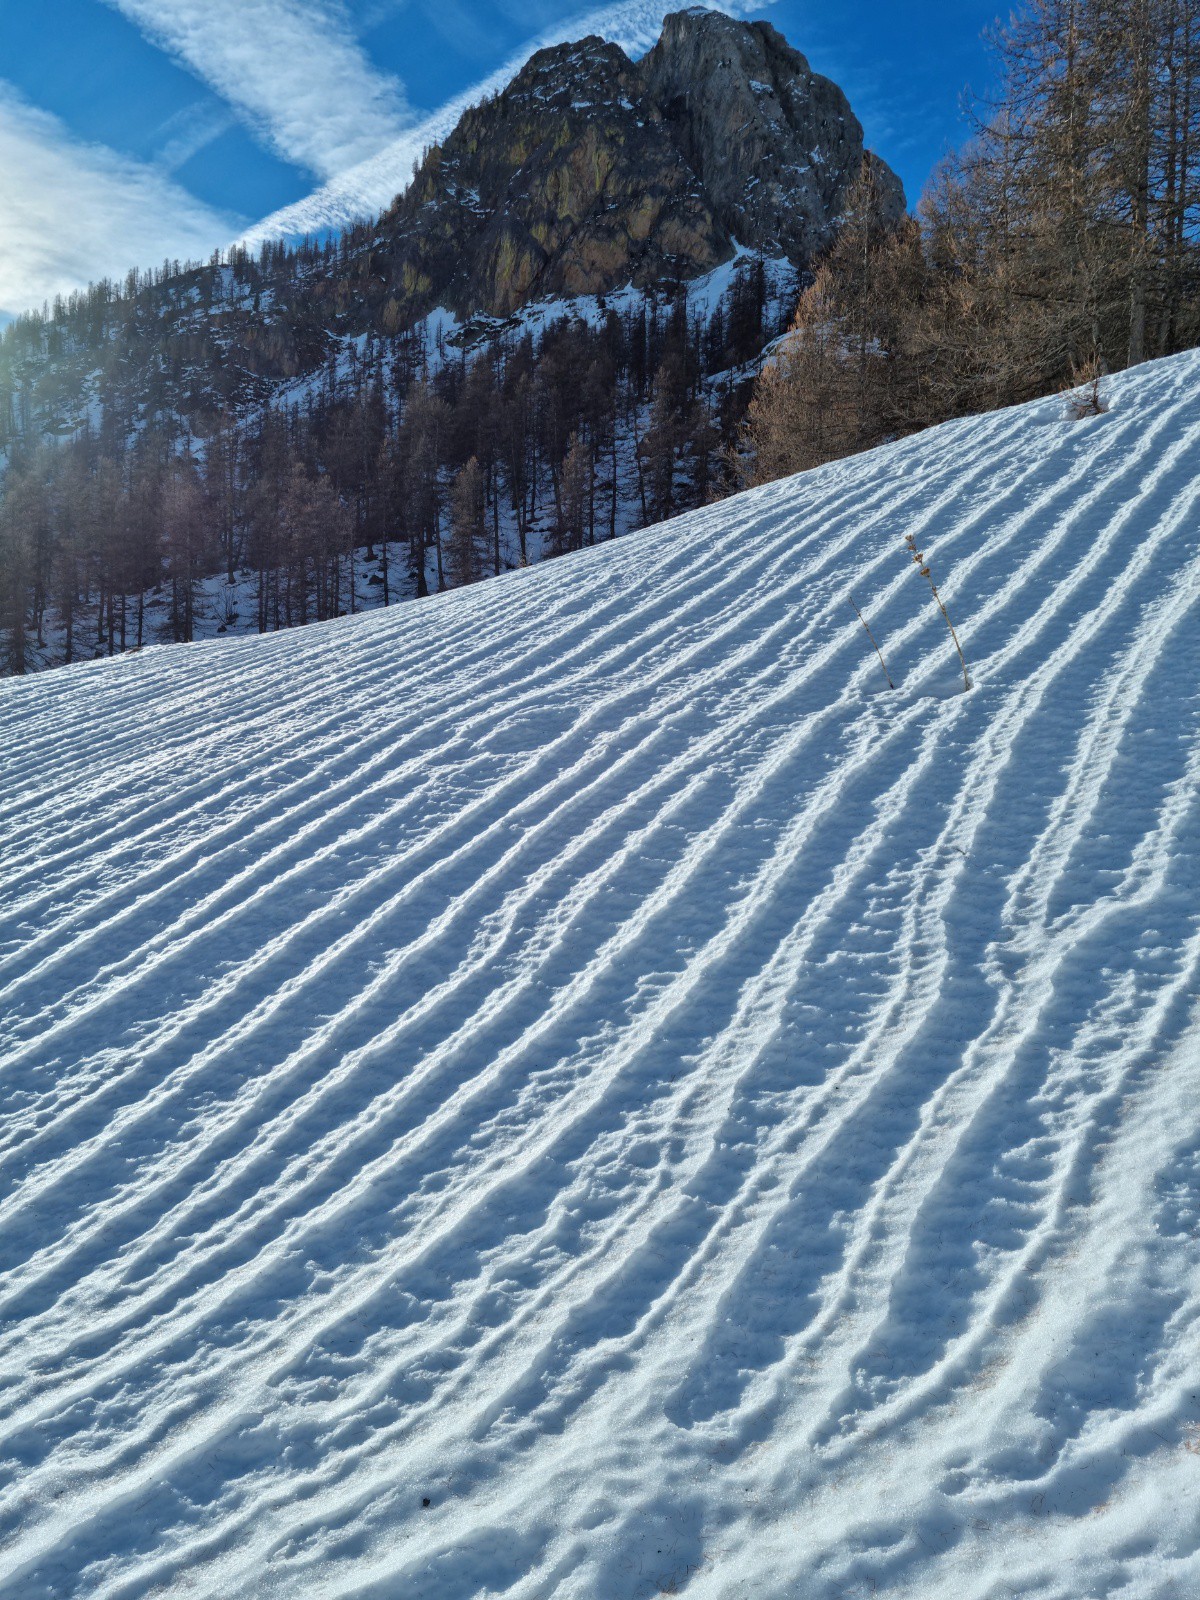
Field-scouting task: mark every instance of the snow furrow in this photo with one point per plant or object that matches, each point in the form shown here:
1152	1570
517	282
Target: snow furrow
573	1088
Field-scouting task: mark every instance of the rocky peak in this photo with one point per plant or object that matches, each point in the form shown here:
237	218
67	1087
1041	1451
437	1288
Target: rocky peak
587	73
773	144
590	171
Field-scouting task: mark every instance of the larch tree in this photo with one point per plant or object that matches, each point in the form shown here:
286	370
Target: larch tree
468	545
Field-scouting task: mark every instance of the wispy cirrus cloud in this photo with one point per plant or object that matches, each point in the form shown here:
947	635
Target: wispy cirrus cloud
293	69
190	131
72	212
368	187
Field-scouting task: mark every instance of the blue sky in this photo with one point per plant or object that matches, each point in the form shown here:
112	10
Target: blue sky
133	130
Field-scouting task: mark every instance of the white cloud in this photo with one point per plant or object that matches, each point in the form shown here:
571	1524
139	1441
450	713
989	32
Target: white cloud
189	131
292	68
71	212
373	184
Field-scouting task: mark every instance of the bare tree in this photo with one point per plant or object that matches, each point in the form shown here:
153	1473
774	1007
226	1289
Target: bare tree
468	546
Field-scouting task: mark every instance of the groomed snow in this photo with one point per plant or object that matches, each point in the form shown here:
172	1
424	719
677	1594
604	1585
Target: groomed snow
582	1054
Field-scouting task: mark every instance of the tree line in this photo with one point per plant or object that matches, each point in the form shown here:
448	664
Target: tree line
400	466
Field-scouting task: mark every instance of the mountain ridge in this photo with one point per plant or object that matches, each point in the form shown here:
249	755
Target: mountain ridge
371	187
658	191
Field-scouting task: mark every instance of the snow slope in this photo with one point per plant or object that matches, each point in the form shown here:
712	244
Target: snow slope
573	1089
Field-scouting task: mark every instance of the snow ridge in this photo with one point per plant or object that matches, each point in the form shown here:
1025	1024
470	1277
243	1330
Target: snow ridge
571	1088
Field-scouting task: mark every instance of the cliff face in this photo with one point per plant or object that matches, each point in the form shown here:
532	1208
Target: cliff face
568	183
591	171
774	146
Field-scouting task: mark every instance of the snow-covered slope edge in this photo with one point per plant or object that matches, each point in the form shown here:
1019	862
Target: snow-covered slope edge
572	1089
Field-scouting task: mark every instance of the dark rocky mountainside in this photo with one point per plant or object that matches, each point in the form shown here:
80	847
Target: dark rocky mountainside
592	171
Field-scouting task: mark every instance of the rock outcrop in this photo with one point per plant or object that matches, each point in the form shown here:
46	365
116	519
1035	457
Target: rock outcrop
774	146
591	171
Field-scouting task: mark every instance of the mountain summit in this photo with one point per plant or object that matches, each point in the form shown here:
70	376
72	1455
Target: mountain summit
591	171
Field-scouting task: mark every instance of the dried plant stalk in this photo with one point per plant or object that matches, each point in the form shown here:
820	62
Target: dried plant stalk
1084	398
871	636
923	567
